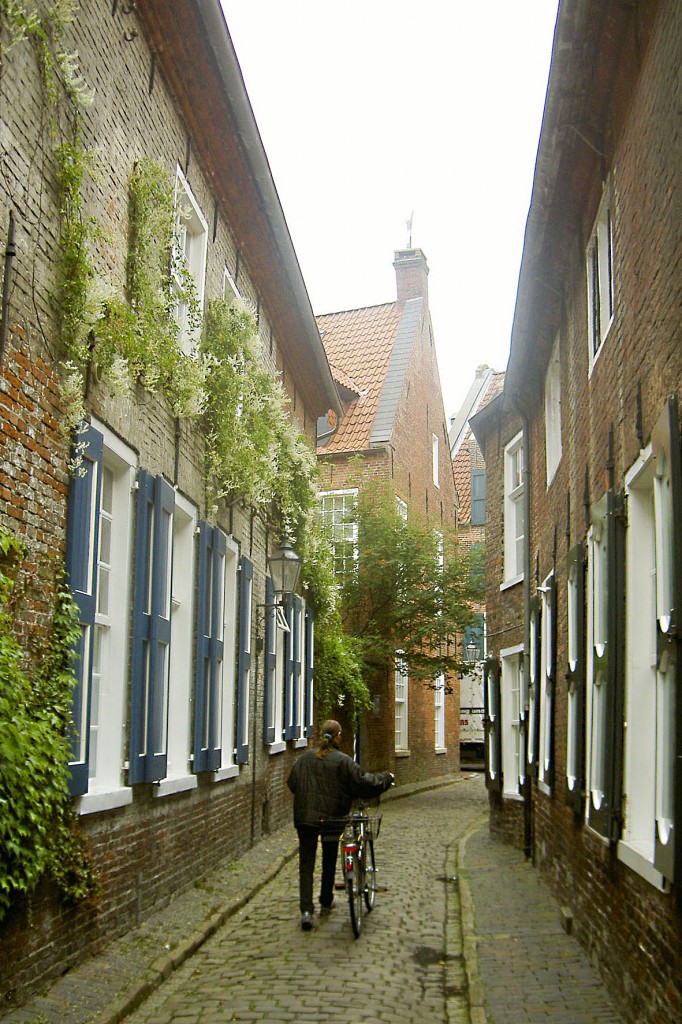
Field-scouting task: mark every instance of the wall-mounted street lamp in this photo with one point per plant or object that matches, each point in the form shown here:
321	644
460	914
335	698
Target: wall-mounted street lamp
285	565
471	652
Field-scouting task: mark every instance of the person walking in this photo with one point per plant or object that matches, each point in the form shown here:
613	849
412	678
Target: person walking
325	782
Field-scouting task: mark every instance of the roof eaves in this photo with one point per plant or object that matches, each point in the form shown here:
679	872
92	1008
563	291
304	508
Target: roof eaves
394	380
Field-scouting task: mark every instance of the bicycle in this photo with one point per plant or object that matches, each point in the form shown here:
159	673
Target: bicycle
359	830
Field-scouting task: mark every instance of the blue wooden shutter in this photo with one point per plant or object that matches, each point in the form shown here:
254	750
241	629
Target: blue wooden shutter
216	649
668	824
289	673
82	544
309	671
297	667
202	676
477	497
139	683
244	670
575	677
270	670
493	724
160	632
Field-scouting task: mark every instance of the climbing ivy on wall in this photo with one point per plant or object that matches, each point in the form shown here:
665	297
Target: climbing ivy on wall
253	451
38	835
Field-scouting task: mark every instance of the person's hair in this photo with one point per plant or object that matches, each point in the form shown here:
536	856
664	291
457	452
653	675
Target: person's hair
328	733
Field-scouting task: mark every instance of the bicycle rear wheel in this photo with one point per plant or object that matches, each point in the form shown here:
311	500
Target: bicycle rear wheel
370	885
355	884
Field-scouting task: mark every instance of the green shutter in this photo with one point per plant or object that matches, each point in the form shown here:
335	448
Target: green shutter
493	724
668	845
575	678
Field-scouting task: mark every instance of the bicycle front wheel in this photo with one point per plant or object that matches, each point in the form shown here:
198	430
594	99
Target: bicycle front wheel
370	885
355	884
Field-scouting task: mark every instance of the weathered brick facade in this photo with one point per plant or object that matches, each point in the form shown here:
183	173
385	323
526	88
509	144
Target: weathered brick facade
144	846
597	799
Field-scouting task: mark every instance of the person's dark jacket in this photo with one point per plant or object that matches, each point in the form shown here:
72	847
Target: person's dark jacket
325	787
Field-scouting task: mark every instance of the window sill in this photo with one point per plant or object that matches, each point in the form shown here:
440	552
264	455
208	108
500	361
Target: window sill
403	753
512	795
544	788
104	800
441	750
179	784
634	856
511	582
300	743
231	772
277	748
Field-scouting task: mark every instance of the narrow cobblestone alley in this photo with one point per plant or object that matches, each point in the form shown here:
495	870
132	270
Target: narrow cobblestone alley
262	967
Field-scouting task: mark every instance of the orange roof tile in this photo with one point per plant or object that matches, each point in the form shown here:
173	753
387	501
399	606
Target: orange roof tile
359	343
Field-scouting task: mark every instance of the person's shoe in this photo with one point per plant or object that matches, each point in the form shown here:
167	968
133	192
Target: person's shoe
327	908
306	921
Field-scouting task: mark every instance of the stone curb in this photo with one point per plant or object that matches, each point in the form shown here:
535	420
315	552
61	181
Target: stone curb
474	984
161	968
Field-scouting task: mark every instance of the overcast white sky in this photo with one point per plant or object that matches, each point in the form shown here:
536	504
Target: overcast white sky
371	110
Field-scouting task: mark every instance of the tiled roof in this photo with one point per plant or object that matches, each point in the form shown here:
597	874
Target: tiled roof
359	343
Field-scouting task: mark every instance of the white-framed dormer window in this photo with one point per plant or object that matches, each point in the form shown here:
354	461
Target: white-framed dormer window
435	457
600	277
514	510
191	239
553	413
401	679
337	510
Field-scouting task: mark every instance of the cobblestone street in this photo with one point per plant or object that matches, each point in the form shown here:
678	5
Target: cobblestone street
261	967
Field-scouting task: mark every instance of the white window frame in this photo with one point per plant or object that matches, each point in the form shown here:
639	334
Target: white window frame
333	515
191	232
599	261
511	674
435	456
439	713
553	413
108	713
230	289
574	610
179	776
514	510
401	705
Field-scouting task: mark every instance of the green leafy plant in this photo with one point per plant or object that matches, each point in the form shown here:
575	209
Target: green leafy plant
339	680
253	451
412	589
38	834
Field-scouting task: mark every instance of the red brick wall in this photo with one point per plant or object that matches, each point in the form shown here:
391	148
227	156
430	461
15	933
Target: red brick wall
143	852
632	931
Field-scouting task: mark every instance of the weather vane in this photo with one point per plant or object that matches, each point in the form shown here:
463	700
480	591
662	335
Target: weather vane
409	230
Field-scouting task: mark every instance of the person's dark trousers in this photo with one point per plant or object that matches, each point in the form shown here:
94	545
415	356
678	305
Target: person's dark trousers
307	850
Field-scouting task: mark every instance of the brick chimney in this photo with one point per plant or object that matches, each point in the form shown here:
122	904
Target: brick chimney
411	273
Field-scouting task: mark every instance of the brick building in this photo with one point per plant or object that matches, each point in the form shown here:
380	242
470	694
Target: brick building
584	550
469	471
173	769
384	362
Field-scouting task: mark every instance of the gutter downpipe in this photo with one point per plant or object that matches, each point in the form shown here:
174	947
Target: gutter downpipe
528	829
10	253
